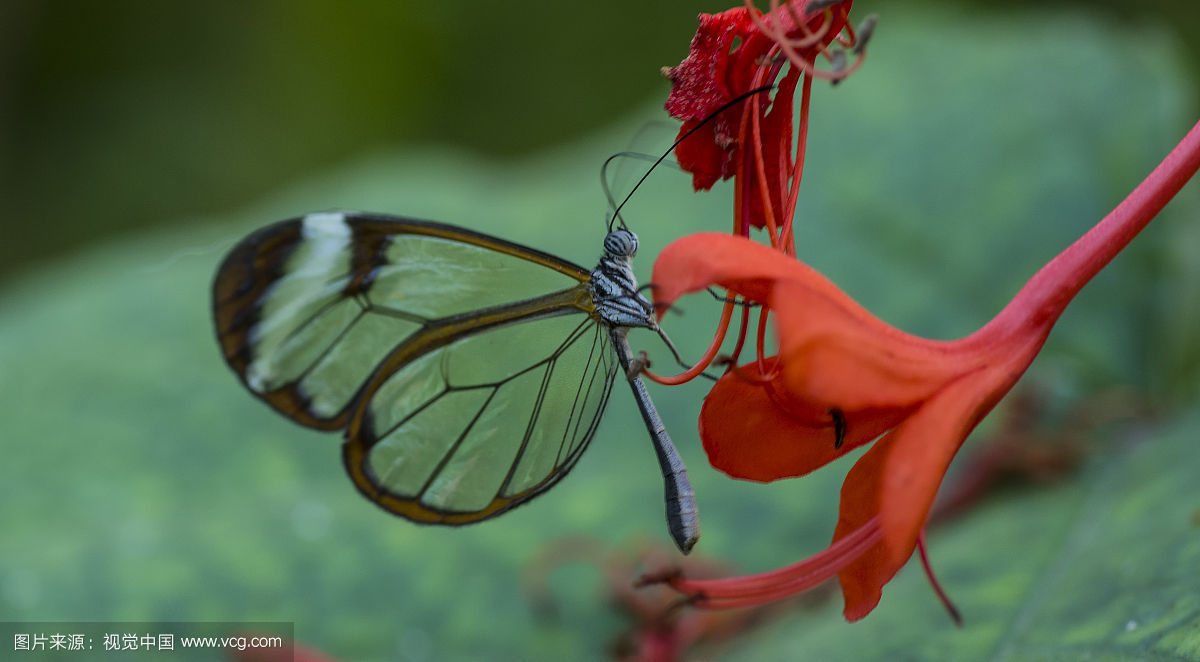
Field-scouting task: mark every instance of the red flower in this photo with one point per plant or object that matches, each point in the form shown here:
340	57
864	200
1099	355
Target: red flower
737	51
842	378
729	131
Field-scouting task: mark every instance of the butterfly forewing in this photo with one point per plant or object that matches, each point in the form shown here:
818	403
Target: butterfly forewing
469	372
307	308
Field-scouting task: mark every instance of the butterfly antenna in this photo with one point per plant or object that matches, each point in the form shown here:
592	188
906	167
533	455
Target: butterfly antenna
612	201
726	106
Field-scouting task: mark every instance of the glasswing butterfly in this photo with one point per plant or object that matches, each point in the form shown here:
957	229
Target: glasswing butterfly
468	373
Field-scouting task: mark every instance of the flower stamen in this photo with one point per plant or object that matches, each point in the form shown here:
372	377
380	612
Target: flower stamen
787	241
933	581
705	360
761	338
788	580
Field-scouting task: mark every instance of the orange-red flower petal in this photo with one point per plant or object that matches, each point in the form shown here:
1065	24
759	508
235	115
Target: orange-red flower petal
835	354
897	479
748	435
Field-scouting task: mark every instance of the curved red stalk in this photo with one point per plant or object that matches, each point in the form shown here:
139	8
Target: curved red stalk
788	580
1043	298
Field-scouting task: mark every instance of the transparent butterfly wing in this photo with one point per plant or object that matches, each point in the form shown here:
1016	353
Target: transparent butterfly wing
481	425
468	372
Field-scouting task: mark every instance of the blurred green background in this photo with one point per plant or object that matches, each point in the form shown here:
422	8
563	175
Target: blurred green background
114	116
141	140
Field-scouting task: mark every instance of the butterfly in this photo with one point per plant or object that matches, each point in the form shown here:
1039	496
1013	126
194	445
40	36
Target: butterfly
467	373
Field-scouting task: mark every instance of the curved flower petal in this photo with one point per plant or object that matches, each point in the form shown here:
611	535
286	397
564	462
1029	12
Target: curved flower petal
836	355
747	435
707	160
898	478
730	54
694	262
700	85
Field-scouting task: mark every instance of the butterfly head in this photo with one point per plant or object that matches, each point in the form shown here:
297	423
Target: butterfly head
621	243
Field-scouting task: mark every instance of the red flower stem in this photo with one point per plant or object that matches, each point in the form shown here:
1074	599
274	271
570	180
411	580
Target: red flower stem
1044	297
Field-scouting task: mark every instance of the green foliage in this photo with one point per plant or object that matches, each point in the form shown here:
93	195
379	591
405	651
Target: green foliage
140	482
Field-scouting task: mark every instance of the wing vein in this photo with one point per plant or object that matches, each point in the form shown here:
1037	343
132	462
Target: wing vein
454	447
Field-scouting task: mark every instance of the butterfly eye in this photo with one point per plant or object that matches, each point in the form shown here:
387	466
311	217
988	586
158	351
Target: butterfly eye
621	243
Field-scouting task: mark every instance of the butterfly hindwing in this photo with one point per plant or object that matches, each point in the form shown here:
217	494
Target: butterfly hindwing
477	427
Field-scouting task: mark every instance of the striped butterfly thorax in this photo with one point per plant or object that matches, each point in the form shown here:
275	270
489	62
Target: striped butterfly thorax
467	372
